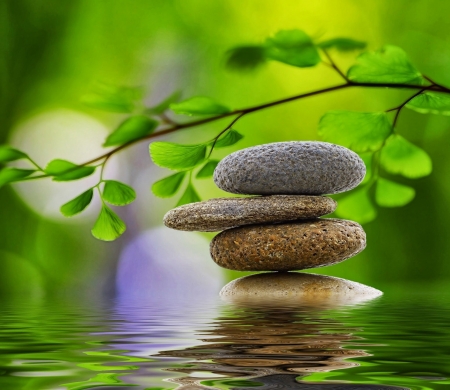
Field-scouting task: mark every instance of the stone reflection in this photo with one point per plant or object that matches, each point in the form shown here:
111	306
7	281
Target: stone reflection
269	347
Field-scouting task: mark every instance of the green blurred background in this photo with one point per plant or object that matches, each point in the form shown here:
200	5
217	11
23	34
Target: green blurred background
53	51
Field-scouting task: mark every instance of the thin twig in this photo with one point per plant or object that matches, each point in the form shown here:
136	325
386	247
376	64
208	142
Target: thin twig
334	66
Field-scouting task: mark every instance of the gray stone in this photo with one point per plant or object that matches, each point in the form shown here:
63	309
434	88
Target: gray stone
296	288
224	213
288	246
295	168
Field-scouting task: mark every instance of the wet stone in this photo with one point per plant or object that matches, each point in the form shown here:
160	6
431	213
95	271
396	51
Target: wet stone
288	246
296	287
225	213
295	168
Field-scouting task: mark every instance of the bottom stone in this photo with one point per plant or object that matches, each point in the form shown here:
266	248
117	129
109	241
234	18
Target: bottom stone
296	287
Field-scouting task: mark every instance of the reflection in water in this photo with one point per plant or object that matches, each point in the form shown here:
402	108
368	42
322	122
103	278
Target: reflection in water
400	340
269	347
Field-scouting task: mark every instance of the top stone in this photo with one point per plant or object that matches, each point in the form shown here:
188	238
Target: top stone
290	168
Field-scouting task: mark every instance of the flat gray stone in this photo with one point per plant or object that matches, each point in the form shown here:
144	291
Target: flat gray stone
296	288
225	213
288	246
292	168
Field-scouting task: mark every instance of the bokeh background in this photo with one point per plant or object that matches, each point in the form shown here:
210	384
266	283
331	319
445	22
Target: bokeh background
52	52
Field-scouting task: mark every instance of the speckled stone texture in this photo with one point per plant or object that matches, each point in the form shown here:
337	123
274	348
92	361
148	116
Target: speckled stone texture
288	246
225	213
290	168
296	287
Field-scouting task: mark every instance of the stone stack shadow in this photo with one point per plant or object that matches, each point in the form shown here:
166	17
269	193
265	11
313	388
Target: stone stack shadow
279	228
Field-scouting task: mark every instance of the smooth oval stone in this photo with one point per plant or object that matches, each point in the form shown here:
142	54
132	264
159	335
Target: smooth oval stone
295	168
296	287
225	213
288	246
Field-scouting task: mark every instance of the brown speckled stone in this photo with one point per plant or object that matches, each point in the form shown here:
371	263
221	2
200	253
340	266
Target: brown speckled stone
296	287
291	168
224	213
288	246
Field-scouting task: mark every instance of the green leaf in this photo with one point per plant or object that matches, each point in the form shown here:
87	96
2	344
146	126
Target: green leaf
177	157
117	193
108	226
63	170
78	204
292	47
131	129
8	175
392	194
357	206
388	65
367	158
165	104
430	103
113	98
199	105
189	196
229	138
359	131
207	169
246	58
167	187
400	156
7	153
342	44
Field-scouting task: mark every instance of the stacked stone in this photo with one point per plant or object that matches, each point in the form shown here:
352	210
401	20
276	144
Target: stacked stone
279	229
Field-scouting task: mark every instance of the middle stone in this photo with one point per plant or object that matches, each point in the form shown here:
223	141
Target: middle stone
288	246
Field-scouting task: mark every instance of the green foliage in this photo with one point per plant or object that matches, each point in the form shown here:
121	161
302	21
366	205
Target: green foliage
207	170
342	44
229	138
392	194
177	157
359	131
367	158
117	193
357	206
388	65
8	154
292	47
133	128
165	104
246	58
400	156
78	204
113	98
63	170
9	175
108	226
199	105
167	187
430	103
189	196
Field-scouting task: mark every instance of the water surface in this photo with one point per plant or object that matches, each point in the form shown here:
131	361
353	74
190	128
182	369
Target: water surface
399	340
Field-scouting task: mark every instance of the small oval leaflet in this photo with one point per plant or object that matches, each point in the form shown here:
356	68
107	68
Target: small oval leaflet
357	206
400	156
177	157
358	131
108	226
7	153
78	204
207	170
131	129
9	175
117	193
63	170
189	196
167	187
199	105
391	194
